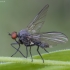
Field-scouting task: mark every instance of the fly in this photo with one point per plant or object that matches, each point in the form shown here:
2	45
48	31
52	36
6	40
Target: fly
31	35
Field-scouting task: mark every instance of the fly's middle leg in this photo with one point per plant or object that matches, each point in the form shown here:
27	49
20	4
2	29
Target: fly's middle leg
26	52
31	53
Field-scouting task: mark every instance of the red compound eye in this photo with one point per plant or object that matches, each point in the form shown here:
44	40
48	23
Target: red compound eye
14	35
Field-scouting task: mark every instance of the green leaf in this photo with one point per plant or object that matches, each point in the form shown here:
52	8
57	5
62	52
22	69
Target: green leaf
53	61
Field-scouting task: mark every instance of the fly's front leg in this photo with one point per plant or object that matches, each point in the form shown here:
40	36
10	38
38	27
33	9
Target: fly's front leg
17	50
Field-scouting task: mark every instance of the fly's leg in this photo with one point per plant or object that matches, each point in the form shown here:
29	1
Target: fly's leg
26	52
29	50
40	54
46	50
31	54
17	49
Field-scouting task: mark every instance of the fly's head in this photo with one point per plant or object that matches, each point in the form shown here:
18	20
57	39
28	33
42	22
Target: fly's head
13	35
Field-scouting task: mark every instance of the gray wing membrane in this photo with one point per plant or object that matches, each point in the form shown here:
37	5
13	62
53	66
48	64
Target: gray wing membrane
38	21
51	38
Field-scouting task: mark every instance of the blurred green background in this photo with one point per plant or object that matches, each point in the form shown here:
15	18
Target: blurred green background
17	14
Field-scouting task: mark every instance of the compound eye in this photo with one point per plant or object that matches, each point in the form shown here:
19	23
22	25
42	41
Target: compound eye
14	35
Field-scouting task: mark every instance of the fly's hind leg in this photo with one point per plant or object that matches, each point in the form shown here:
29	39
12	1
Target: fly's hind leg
43	46
46	50
40	54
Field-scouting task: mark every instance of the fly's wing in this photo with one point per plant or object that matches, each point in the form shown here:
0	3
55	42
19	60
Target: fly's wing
38	21
51	38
